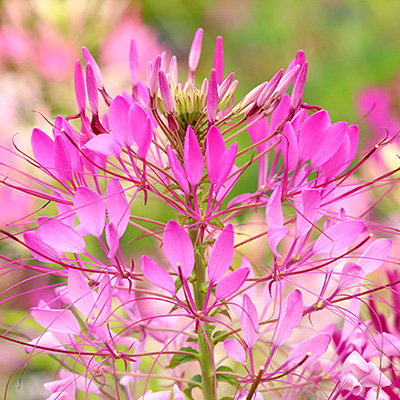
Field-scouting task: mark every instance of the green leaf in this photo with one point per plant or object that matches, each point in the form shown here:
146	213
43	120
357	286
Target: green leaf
178	359
220	336
194	382
226	378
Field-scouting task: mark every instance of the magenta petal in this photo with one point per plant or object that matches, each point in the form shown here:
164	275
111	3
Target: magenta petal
195	50
80	294
221	255
218	63
280	112
62	159
178	171
212	97
235	351
117	206
80	90
166	94
89	59
119	121
157	275
141	135
259	131
40	250
375	255
215	148
43	148
291	314
328	144
153	80
60	236
193	158
314	126
90	209
178	248
312	348
62	321
298	87
91	86
104	144
249	321
290	149
225	165
231	283
338	236
144	139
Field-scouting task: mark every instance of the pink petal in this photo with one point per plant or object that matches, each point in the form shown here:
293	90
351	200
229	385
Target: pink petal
215	147
104	144
273	210
89	59
91	86
62	321
375	255
193	158
178	248
40	250
112	239
119	121
290	149
221	255
351	274
178	171
249	321
60	236
104	299
298	87
275	235
80	294
312	347
338	236
259	131
291	314
225	165
157	275
117	206
137	120
218	63
90	209
144	139
153	81
269	89
307	204
235	350
43	148
280	112
231	283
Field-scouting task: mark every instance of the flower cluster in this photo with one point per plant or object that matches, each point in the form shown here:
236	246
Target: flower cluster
196	312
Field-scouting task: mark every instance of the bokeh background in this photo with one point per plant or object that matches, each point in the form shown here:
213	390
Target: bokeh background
350	45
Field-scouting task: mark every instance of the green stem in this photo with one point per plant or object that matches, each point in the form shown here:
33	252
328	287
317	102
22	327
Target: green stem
206	362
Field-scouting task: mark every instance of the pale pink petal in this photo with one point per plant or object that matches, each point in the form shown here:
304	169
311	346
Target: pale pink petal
312	348
62	321
104	298
291	314
235	350
60	236
275	236
166	94
307	205
112	239
231	283
178	248
80	294
133	63
157	275
375	255
249	321
90	209
273	210
338	236
221	255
